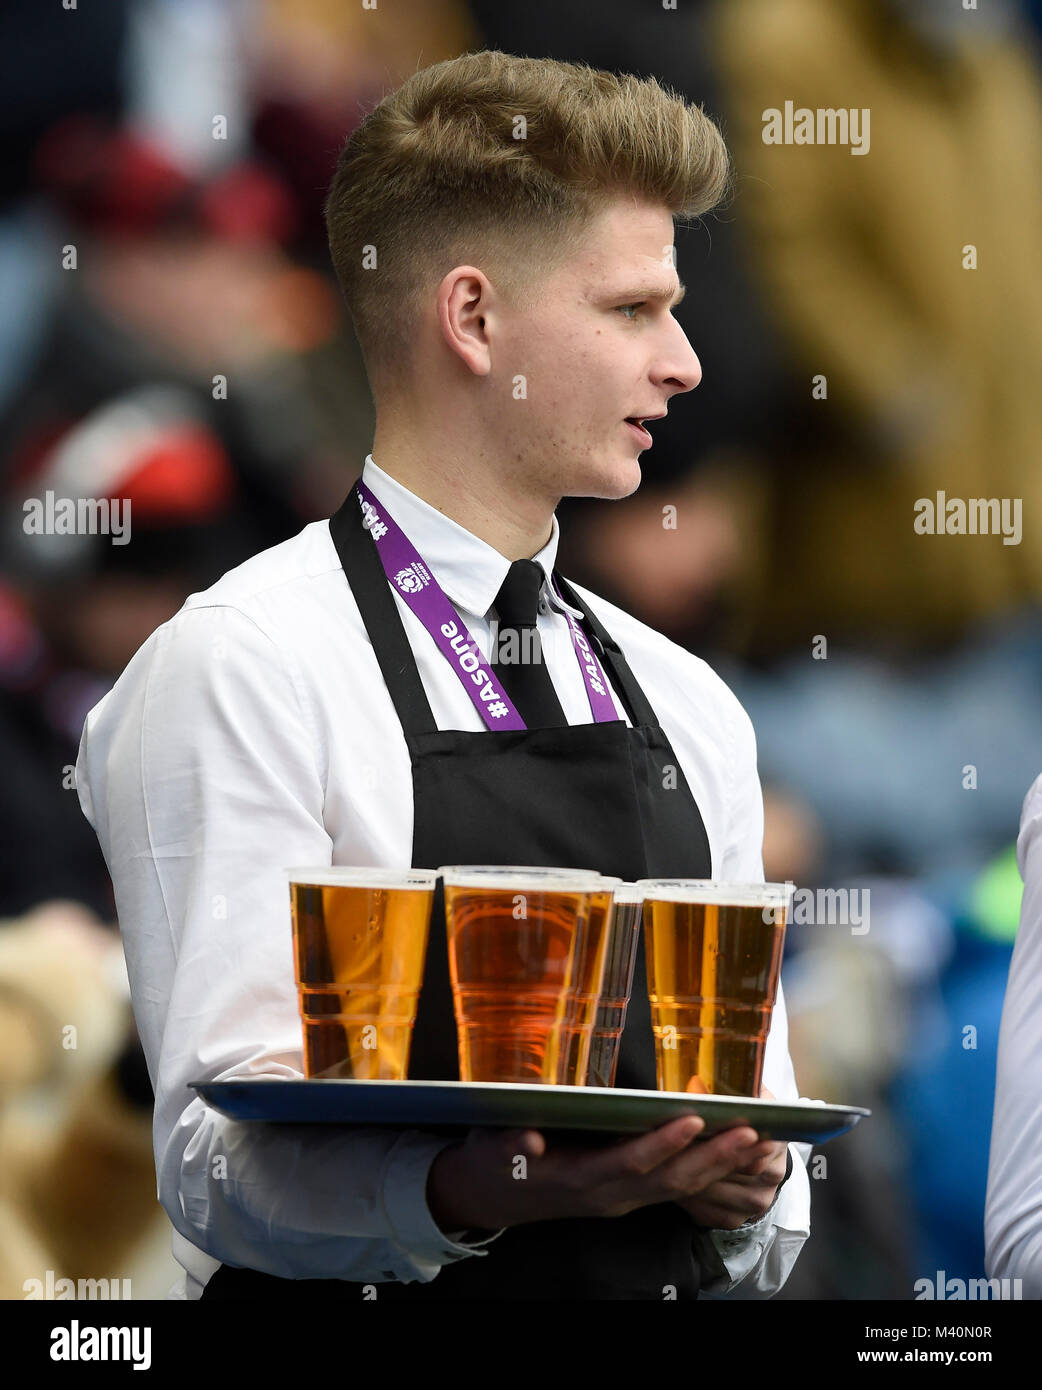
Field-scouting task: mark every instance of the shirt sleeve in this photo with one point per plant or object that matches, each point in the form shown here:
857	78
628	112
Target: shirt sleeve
202	775
754	1261
1013	1205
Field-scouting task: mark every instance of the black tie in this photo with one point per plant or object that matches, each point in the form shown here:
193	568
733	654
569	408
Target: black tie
521	671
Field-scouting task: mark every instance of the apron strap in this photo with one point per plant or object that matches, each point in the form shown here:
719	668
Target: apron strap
637	705
369	584
365	574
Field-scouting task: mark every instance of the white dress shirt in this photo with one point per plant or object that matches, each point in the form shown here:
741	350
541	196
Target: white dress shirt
1013	1207
253	731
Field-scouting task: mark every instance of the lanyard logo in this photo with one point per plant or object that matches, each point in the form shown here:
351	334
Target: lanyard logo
411	580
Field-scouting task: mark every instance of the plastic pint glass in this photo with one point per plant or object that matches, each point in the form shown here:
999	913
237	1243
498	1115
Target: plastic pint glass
514	934
623	939
359	945
585	995
714	953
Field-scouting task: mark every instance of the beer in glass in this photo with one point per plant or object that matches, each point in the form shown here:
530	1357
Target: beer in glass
513	938
360	945
714	953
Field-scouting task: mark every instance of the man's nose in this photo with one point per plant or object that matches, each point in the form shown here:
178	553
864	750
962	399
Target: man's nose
680	368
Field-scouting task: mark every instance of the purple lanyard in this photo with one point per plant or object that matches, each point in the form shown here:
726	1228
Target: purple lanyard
425	596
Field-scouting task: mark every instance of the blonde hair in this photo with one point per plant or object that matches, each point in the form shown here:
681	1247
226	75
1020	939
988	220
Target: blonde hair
501	162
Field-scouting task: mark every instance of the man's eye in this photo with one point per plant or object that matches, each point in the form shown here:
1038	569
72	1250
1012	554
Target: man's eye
623	307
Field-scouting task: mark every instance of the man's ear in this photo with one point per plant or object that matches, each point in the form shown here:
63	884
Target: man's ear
466	304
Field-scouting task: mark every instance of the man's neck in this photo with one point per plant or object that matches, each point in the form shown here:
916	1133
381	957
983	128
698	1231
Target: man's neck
515	523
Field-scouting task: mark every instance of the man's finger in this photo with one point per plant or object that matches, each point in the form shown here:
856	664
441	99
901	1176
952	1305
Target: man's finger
648	1151
706	1164
760	1159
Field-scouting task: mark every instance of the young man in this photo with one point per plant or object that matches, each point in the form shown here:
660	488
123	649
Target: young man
502	229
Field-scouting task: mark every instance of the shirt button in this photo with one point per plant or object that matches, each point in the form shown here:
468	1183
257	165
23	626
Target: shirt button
544	607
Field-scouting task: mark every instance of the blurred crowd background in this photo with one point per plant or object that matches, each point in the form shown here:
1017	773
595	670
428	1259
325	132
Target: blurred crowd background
894	759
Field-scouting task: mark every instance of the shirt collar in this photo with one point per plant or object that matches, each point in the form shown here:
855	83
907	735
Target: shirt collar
469	569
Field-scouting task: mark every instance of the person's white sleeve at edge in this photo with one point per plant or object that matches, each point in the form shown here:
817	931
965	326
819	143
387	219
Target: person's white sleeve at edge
754	1261
1013	1206
203	779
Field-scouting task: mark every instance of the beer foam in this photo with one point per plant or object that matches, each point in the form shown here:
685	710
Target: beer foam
714	893
525	878
347	876
629	893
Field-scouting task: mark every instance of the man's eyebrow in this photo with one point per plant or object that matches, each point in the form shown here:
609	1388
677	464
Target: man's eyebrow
652	292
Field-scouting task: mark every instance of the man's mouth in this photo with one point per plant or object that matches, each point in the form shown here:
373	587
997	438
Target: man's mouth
639	431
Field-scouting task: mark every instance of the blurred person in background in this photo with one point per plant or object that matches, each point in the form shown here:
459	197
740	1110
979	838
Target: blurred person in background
952	972
930	389
190	363
908	737
1013	1213
75	607
861	257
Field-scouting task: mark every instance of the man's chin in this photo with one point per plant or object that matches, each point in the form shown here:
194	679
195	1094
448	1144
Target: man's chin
609	485
626	482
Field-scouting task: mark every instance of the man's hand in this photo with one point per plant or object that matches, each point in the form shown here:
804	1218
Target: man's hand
480	1182
744	1192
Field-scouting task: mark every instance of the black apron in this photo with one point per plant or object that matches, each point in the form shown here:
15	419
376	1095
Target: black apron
589	796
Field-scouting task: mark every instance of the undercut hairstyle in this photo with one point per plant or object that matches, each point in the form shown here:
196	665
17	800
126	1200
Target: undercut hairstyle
503	163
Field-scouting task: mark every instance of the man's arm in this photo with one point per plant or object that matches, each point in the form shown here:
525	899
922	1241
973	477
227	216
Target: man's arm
203	778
